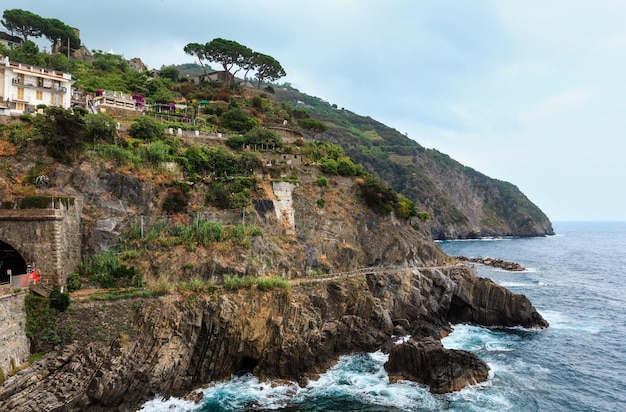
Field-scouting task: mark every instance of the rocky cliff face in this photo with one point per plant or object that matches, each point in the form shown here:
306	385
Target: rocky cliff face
357	279
181	342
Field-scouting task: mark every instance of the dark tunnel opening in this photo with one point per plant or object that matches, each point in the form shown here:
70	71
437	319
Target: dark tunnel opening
10	262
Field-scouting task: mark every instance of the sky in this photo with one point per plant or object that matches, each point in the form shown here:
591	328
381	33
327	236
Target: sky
532	92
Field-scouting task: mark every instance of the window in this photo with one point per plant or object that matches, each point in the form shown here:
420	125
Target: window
20	93
39	95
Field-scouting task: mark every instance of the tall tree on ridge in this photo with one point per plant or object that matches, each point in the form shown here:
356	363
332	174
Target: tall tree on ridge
198	50
228	53
267	68
23	22
55	29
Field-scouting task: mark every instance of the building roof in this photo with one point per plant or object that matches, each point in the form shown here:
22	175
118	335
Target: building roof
8	37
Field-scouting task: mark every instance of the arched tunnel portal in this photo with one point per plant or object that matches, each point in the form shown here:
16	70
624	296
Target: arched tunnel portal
11	262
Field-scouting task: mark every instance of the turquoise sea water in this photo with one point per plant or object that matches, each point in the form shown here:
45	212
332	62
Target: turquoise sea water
576	281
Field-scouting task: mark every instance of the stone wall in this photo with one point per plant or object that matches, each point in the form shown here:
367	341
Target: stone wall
13	341
284	203
48	237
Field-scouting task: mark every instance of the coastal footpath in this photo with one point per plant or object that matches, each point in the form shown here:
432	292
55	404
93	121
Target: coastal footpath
180	342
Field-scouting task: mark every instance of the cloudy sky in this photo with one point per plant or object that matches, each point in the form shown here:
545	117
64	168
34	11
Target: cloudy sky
528	91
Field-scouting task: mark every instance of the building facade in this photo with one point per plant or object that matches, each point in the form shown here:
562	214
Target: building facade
23	87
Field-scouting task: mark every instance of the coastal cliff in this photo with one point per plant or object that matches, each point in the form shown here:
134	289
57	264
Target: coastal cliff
357	260
182	342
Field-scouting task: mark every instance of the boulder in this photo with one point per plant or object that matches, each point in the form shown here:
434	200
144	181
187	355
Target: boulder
429	363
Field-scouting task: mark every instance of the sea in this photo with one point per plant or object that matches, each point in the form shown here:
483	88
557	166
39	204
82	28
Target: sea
575	279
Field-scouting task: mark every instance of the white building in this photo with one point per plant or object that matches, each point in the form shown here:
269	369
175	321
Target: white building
23	87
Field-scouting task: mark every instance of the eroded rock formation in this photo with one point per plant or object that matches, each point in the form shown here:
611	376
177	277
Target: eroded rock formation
494	262
182	342
428	362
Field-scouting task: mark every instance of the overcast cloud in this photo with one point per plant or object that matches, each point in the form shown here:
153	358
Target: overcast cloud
527	91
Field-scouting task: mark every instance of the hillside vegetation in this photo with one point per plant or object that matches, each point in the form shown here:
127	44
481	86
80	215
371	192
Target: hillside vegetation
462	202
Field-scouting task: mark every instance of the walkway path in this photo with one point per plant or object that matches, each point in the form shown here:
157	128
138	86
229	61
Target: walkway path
368	270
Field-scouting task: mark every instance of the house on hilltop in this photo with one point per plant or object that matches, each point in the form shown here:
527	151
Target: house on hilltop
23	87
216	76
9	41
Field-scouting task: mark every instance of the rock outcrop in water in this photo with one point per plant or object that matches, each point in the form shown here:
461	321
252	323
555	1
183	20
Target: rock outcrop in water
493	262
429	363
183	342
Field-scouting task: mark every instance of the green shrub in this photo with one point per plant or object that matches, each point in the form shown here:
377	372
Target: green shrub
236	142
81	111
235	282
254	230
59	300
239	200
19	136
264	284
202	233
261	135
345	167
73	282
257	102
238	121
238	234
312	125
161	288
322	181
105	269
157	151
120	156
329	166
404	207
27	117
146	129
321	202
130	254
377	195
40	323
98	127
197	160
34	357
44	201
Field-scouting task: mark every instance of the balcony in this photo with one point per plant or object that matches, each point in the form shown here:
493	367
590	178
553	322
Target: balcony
40	84
21	99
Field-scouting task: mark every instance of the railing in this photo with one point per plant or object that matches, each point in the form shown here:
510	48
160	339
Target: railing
22	281
16	98
35	69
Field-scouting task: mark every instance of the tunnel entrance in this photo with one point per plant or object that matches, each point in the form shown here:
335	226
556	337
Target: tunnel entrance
10	262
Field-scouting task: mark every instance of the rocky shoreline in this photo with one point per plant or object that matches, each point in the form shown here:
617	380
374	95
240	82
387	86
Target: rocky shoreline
494	262
182	342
